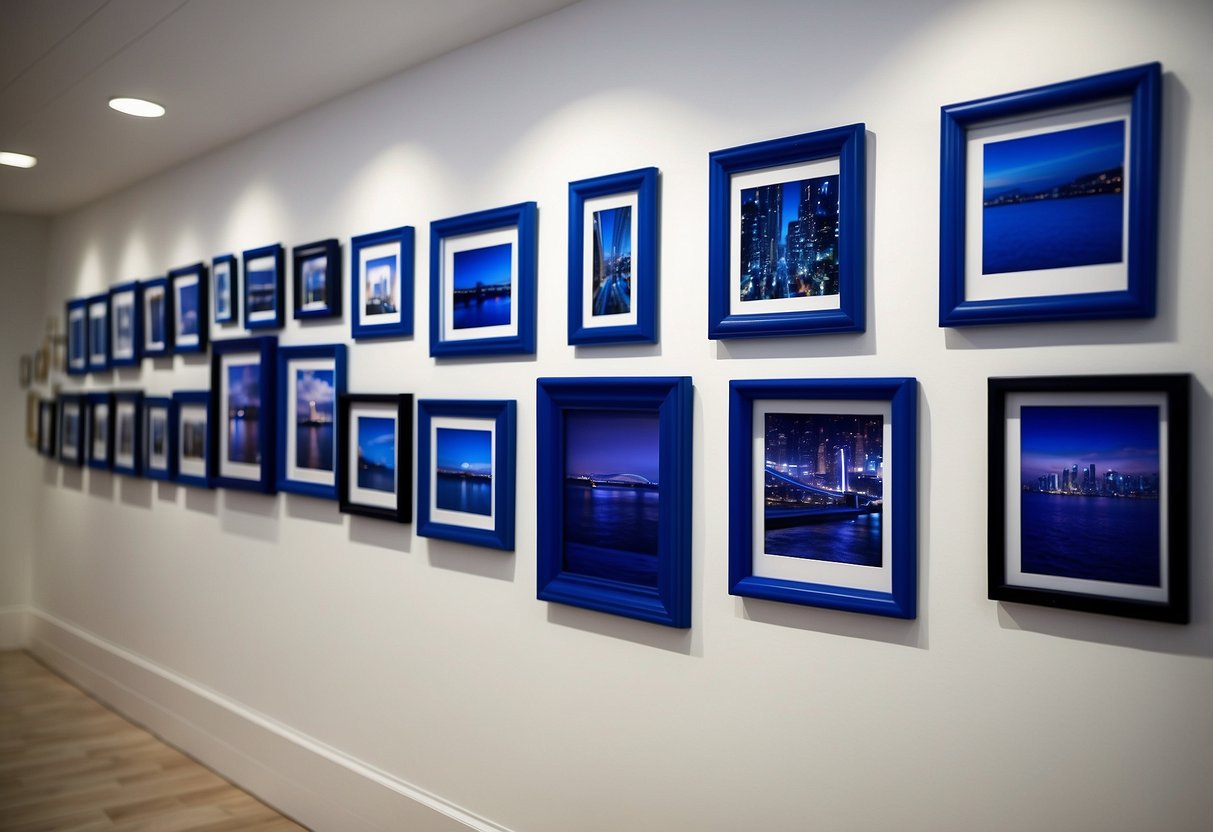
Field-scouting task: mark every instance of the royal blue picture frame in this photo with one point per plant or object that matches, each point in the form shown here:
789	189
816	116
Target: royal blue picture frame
128	435
264	287
71	415
322	300
157	444
959	278
98	312
99	450
225	290
126	324
190	467
76	327
847	145
485	515
188	287
370	498
246	461
635	286
565	406
519	337
797	579
382	259
156	302
320	423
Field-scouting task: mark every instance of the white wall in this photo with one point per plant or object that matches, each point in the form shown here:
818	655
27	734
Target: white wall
429	670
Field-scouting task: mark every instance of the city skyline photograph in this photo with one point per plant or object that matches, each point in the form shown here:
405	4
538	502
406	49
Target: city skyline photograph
482	285
789	239
379	286
315	406
612	262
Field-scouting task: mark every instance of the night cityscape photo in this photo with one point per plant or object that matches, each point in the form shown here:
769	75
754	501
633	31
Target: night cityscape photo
464	470
612	264
187	309
262	290
376	436
244	413
379	287
789	239
482	286
315	275
315	404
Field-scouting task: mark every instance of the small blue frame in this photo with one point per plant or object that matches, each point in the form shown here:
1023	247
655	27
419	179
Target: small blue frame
323	300
188	286
655	415
225	299
158	466
1053	297
381	283
126	312
811	312
105	459
250	466
472	521
887	587
635	305
71	413
313	479
76	317
128	432
375	498
517	334
190	464
264	287
98	311
157	306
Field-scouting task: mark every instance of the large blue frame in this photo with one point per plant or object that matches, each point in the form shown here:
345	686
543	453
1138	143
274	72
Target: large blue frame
78	402
276	317
134	397
1143	86
118	299
902	394
523	216
147	290
644	260
671	399
331	251
200	272
189	397
151	403
77	340
98	361
286	389
265	349
503	414
232	265
402	237
92	400
848	145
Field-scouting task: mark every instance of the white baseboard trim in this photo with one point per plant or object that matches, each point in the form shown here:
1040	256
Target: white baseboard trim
318	786
13	628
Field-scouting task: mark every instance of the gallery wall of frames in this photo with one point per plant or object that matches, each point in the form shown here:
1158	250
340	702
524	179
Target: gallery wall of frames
621	430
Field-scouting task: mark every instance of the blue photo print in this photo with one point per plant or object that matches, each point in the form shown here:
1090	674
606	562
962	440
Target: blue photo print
464	470
789	239
313	377
242	422
374	469
264	287
483	286
315	409
382	286
188	286
376	453
611	286
77	336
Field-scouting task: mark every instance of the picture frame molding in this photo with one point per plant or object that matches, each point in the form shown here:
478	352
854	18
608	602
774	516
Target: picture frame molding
277	318
135	399
96	364
167	473
265	348
403	406
71	367
180	399
148	289
79	402
232	265
91	401
134	287
404	237
333	280
286	391
200	272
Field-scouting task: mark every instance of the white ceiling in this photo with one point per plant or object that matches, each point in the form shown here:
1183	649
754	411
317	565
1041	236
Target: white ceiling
223	68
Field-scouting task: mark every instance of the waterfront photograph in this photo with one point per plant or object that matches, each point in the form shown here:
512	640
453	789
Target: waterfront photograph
1054	200
612	470
244	413
380	287
612	262
823	487
315	404
464	470
155	317
315	282
262	290
187	309
482	286
193	439
376	436
789	239
223	291
1089	492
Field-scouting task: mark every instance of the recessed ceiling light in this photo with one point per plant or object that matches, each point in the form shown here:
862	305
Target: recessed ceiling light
137	107
17	160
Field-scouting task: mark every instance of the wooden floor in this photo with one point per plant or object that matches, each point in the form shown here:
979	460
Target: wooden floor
68	764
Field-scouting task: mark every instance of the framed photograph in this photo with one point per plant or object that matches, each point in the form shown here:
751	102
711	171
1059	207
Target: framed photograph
188	285
822	493
158	437
317	271
225	290
264	287
482	282
157	317
48	420
613	258
381	283
1089	491
71	428
189	438
31	418
244	397
126	323
42	363
98	332
128	432
77	337
1049	202
465	464
614	489
375	461
309	381
99	433
787	235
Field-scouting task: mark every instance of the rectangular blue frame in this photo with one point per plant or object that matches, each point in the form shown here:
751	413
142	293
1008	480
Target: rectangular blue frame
123	296
106	460
847	144
273	317
900	601
264	349
1142	85
153	404
76	329
329	303
400	510
397	246
670	399
178	281
182	474
70	449
523	217
286	391
157	318
503	415
229	265
98	328
134	400
642	280
48	419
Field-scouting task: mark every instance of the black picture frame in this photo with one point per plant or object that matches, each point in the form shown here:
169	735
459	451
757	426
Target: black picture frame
316	271
378	486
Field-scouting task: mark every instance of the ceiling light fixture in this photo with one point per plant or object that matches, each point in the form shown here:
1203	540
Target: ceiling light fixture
17	160
137	107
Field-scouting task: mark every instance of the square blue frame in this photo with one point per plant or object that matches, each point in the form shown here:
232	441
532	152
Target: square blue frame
135	398
524	217
76	329
1142	85
148	290
286	390
48	419
118	299
232	265
92	400
847	144
98	350
671	399
902	395
202	310
150	404
273	318
265	349
403	240
402	404
503	414
330	304
78	402
189	397
643	279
